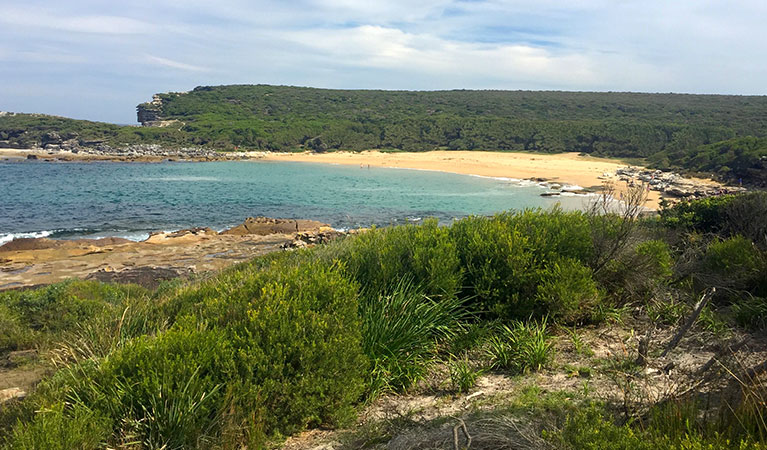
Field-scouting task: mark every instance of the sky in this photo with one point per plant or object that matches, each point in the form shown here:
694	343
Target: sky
97	59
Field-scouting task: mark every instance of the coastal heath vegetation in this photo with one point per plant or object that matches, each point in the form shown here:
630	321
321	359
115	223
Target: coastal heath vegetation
304	339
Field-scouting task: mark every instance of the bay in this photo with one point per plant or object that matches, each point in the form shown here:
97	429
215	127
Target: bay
93	199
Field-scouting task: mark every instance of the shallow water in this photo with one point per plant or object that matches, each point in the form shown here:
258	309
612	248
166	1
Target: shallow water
69	200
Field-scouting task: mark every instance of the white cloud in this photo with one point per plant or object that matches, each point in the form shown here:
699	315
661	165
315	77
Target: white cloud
506	64
165	62
83	23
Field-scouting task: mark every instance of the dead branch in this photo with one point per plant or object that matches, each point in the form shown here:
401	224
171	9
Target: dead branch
609	245
728	349
462	426
690	321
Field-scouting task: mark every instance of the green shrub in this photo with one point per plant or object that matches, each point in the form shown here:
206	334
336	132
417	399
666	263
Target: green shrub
13	334
672	425
61	428
286	325
380	257
252	354
567	292
498	266
61	306
520	348
735	263
507	256
400	333
751	312
638	272
726	216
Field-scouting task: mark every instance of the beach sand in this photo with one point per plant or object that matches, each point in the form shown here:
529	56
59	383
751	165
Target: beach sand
562	168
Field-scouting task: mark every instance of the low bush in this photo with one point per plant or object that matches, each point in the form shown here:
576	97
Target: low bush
425	254
506	257
521	347
725	216
13	334
751	312
62	306
591	428
60	428
252	354
567	292
735	263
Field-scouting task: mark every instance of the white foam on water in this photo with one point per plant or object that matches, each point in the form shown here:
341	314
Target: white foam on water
8	237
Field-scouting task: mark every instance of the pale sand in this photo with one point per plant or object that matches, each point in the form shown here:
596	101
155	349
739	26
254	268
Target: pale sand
562	168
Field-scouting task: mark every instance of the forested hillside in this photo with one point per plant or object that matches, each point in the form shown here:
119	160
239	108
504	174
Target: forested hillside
670	130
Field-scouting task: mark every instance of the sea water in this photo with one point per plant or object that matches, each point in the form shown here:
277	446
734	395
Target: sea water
94	199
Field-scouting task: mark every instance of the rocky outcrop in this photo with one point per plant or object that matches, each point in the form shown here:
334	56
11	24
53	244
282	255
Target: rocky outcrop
148	277
673	184
26	244
312	238
265	225
150	112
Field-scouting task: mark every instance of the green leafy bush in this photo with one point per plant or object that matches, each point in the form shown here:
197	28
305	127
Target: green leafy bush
673	428
425	254
506	257
62	306
638	272
724	215
751	312
735	263
567	291
251	354
13	334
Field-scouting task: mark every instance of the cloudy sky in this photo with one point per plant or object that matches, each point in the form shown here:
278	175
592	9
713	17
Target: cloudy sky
97	59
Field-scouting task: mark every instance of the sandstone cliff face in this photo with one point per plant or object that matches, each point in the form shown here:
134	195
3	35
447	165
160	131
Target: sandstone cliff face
151	112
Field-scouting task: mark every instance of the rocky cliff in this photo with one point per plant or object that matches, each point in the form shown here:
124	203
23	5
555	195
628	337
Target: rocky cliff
150	113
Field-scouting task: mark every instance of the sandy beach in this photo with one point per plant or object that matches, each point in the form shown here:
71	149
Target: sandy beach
562	168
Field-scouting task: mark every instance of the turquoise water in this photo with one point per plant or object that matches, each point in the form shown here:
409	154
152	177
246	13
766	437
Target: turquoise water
70	200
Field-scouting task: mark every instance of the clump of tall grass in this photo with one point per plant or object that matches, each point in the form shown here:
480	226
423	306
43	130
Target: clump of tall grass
400	333
463	374
520	348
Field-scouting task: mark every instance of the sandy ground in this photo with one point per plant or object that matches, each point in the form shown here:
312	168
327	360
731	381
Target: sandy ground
563	168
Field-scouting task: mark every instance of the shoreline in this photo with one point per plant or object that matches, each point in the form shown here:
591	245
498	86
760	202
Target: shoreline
34	261
559	169
551	170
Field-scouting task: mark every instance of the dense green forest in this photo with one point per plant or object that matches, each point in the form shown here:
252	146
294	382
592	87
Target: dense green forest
669	130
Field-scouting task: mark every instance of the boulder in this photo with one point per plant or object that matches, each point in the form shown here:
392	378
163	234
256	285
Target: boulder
263	226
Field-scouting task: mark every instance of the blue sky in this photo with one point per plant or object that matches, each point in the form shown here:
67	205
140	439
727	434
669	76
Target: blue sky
97	59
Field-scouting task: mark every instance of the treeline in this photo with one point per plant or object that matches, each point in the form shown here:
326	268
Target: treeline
298	340
667	129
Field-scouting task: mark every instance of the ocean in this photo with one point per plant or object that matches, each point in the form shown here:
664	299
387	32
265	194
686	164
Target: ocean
97	199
